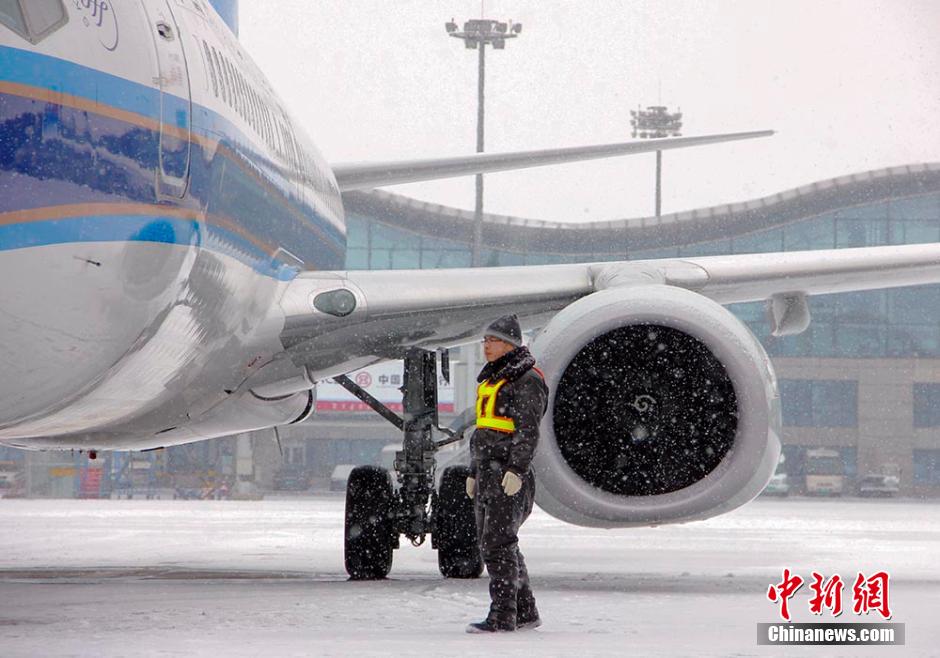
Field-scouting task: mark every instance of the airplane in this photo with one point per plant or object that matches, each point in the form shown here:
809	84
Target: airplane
171	257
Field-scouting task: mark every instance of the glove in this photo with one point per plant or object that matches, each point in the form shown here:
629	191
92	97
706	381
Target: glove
512	483
471	487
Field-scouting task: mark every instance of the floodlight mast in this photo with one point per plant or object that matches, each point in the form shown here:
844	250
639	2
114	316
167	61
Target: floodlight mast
656	122
476	35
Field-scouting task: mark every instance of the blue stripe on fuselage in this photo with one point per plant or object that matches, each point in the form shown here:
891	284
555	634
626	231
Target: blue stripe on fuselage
36	70
54	74
269	215
143	228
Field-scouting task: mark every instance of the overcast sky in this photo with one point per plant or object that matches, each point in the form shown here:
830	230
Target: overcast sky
849	86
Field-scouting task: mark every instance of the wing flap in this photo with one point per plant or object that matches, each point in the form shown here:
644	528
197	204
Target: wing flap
756	277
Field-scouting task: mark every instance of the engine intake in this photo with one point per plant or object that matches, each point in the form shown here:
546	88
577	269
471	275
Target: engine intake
644	410
662	408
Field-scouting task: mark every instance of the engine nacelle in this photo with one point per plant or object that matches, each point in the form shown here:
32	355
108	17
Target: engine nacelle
663	408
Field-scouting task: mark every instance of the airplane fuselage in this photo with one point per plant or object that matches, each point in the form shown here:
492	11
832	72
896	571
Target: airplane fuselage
155	199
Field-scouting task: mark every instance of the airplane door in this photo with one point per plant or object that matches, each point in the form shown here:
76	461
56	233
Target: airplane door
175	100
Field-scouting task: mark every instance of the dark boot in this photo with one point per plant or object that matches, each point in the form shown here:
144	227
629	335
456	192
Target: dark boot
528	624
527	615
490	625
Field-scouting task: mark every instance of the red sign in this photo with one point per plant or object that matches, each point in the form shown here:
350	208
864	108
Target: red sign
383	381
91	483
355	405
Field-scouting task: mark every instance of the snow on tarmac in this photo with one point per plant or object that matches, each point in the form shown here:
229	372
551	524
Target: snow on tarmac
164	578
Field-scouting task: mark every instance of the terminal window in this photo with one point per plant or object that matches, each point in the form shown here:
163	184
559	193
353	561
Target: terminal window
926	405
819	403
927	468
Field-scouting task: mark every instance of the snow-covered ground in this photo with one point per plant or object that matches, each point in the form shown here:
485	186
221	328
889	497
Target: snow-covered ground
96	578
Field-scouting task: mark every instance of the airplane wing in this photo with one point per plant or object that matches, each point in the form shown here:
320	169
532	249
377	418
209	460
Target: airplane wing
333	317
359	176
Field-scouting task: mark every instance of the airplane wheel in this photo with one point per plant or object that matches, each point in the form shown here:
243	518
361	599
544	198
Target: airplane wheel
369	538
458	552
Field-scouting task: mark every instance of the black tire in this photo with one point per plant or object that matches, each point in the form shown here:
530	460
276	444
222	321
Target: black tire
368	538
458	552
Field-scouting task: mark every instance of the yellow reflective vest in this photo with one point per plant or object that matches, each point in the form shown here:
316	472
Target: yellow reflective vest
486	408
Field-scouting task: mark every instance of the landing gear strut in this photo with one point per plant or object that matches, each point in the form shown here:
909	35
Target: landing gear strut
376	515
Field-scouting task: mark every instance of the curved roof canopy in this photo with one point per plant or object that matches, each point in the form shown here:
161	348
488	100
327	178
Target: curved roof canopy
689	227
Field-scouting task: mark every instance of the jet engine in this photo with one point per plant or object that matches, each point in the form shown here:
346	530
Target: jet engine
663	408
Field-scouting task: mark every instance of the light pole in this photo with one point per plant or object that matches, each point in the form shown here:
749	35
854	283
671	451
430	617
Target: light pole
656	122
476	35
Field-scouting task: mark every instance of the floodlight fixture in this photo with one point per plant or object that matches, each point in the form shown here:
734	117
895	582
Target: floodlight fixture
476	35
656	122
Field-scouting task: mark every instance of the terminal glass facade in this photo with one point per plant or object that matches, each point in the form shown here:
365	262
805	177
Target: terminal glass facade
886	323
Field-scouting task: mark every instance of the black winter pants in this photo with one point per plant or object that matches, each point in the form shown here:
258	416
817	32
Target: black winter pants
499	518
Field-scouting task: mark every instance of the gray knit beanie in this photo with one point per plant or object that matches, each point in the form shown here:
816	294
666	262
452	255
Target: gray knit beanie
507	329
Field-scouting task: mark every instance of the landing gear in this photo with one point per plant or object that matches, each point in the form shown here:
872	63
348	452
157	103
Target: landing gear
455	536
369	538
376	515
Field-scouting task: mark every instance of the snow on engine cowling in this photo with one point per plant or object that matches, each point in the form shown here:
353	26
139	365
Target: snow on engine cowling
663	408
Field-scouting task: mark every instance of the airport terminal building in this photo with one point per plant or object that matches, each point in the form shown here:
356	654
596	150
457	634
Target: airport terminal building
862	381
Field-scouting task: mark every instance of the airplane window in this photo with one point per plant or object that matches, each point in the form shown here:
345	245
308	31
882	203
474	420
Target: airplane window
232	88
252	110
229	83
235	86
251	104
243	98
242	95
43	17
257	101
12	17
218	66
209	65
266	121
236	83
244	89
259	114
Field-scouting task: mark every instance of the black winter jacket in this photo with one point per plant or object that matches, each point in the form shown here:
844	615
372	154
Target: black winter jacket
523	398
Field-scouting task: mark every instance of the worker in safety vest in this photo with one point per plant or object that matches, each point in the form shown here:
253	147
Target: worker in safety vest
511	400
